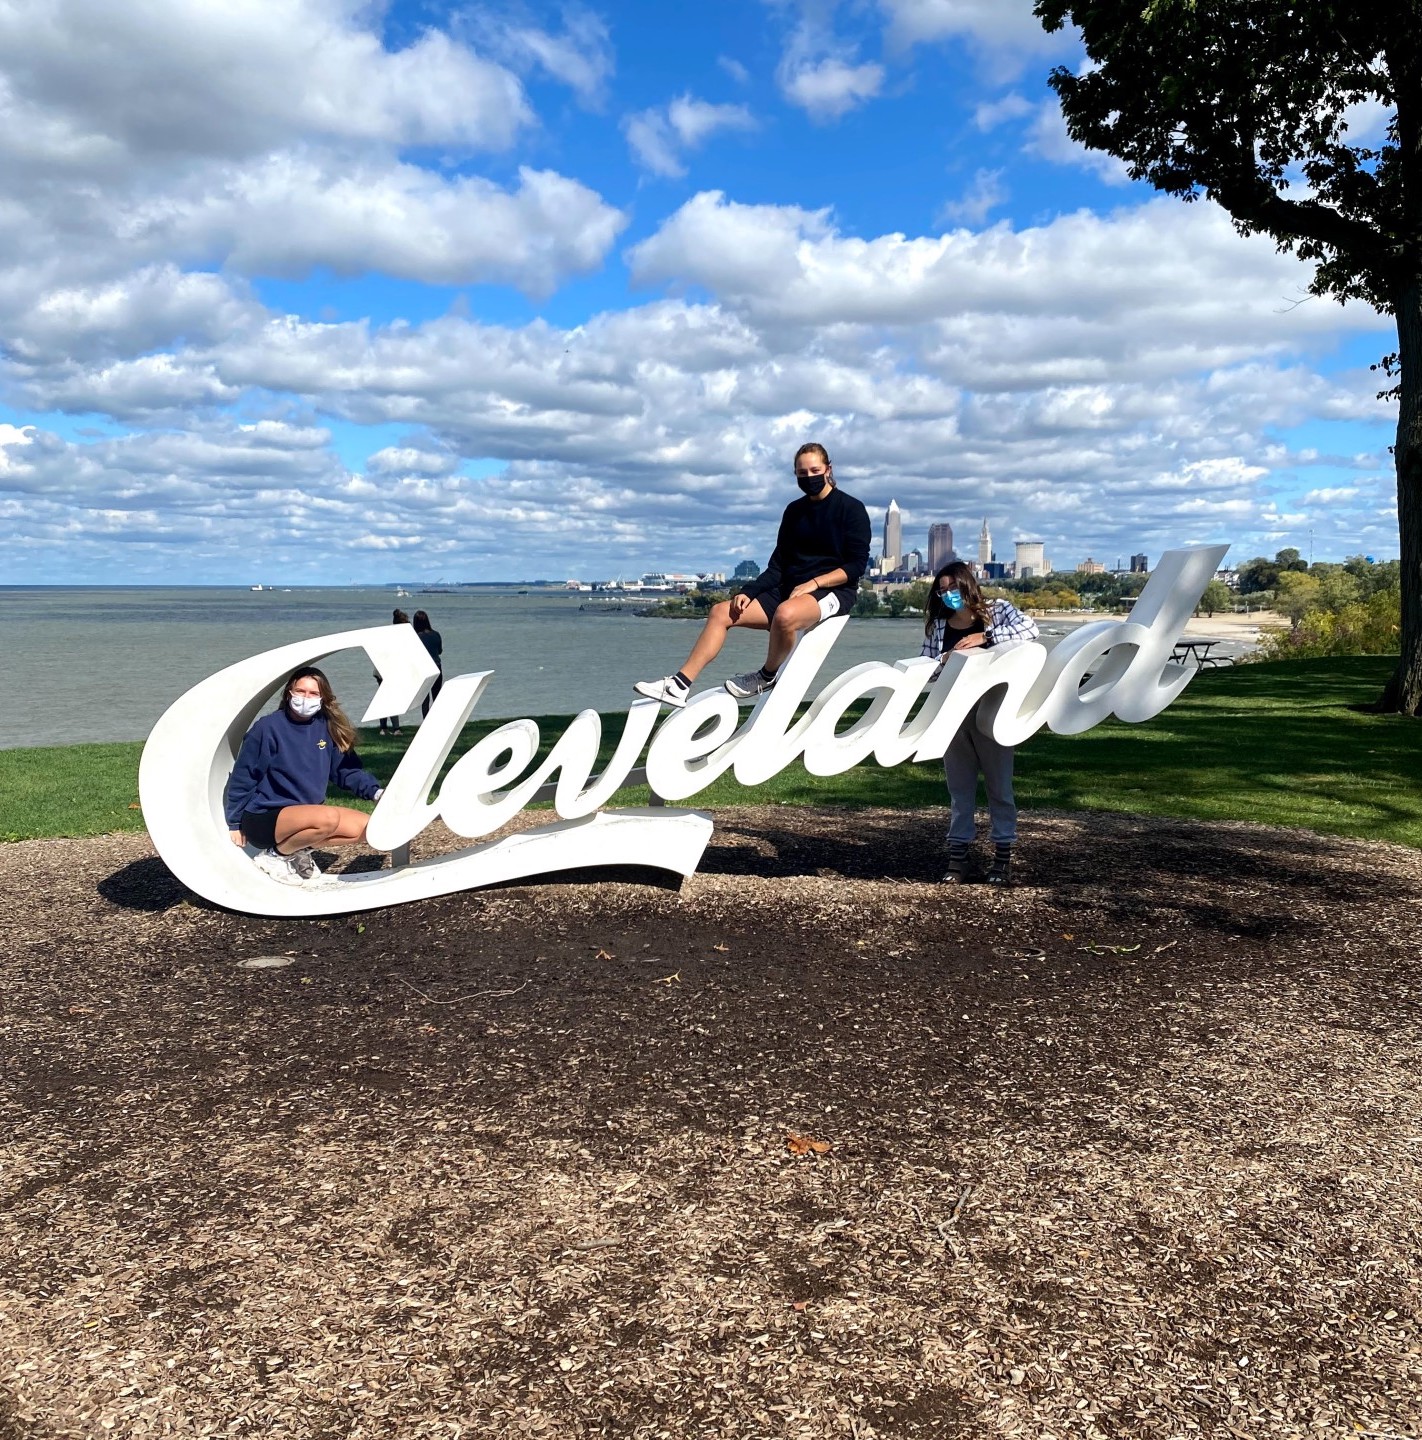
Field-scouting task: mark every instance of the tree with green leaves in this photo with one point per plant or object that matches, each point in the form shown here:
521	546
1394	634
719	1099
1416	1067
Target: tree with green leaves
1216	597
1238	100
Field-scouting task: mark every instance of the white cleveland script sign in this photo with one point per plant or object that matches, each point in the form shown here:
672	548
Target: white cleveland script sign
192	749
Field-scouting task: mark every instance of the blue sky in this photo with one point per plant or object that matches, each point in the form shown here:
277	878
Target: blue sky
338	292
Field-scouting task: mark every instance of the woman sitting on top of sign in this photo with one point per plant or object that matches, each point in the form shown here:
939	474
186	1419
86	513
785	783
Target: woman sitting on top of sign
960	617
276	794
821	550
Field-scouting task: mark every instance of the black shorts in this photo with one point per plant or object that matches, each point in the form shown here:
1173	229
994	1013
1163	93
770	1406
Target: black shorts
832	602
259	828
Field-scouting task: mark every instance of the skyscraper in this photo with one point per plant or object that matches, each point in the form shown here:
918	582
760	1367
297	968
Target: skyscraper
984	544
940	546
1031	559
893	536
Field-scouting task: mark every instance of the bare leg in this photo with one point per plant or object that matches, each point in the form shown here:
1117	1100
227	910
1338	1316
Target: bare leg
792	618
713	634
299	826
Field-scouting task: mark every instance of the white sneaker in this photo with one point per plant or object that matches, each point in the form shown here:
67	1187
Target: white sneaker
749	685
670	691
278	866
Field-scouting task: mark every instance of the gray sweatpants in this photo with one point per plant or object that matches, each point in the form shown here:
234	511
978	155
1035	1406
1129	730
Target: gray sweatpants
970	752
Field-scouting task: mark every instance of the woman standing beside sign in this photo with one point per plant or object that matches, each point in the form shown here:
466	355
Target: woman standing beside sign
277	790
430	639
960	617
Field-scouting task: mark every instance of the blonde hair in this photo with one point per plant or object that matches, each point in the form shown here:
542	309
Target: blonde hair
342	731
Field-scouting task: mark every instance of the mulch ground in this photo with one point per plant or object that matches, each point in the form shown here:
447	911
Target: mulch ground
811	1146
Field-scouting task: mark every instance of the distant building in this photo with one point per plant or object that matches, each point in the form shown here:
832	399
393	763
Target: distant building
940	546
984	544
913	562
1090	567
1031	559
747	570
893	536
1139	565
994	570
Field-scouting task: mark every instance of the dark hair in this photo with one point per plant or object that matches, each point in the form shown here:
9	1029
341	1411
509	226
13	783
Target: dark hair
400	618
813	447
342	731
421	622
962	577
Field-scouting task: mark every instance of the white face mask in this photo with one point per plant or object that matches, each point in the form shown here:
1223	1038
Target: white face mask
305	705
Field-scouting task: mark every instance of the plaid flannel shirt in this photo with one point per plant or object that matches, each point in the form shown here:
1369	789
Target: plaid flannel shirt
1007	625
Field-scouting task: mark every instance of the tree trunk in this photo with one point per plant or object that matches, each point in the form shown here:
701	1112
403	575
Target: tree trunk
1404	691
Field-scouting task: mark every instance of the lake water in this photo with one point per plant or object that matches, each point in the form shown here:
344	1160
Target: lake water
90	664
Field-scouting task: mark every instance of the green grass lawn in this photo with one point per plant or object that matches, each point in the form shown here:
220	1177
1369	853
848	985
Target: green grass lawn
1279	744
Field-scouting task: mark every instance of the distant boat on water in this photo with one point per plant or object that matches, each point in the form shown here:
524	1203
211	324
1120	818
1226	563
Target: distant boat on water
258	587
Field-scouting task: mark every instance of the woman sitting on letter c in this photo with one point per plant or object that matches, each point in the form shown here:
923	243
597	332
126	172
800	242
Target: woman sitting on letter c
960	617
276	793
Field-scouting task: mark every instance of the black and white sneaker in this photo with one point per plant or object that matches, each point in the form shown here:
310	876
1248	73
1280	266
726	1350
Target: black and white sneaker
749	685
669	690
278	866
303	862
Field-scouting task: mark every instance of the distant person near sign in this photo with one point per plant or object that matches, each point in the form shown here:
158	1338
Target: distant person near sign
820	552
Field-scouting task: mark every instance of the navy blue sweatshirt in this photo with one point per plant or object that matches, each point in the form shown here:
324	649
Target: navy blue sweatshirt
816	536
291	762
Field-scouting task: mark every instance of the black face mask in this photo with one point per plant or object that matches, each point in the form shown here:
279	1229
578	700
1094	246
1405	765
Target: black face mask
812	484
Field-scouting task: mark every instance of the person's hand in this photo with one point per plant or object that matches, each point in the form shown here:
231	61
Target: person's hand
237	837
971	642
808	588
738	605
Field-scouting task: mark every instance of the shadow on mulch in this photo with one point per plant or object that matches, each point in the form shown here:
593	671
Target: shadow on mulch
146	885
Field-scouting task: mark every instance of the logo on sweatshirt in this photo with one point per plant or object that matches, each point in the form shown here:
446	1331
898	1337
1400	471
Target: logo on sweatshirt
320	744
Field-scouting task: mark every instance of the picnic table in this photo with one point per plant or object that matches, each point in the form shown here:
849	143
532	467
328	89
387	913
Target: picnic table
1199	652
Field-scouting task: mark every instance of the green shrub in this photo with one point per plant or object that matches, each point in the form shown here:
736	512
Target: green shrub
1362	627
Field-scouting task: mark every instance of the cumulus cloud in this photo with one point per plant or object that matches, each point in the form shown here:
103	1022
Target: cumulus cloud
1003	24
580	56
660	137
263	139
94	86
982	197
828	89
411	460
298	211
1048	138
992	113
1173	281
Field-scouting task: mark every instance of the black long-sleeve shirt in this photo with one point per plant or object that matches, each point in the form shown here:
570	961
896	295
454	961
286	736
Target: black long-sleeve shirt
815	537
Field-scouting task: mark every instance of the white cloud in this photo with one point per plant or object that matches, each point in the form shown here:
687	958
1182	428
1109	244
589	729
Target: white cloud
411	460
295	212
1089	293
830	88
981	198
580	57
992	113
1002	23
734	69
1048	138
91	85
262	139
157	305
660	137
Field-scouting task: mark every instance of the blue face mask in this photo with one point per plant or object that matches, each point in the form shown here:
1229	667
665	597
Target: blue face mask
951	598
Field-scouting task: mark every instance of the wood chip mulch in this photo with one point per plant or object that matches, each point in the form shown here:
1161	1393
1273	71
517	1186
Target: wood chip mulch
812	1146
